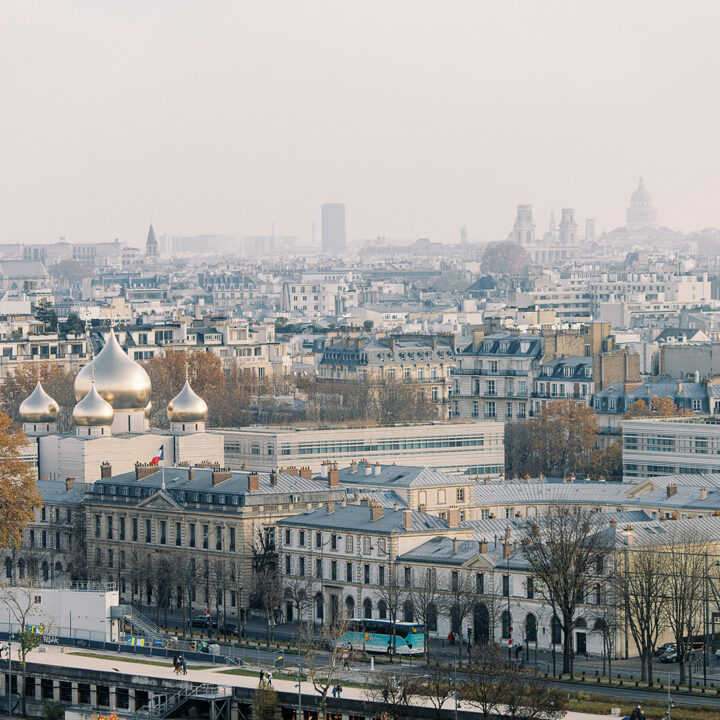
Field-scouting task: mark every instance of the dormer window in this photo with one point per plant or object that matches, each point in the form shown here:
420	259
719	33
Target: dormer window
567	371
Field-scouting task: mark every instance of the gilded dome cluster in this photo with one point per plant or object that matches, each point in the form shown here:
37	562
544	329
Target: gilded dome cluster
112	383
187	407
38	407
118	378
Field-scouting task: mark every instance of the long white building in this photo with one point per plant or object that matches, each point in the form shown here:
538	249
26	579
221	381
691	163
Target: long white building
476	448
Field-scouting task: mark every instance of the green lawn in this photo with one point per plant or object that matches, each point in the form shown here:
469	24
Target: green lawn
140	660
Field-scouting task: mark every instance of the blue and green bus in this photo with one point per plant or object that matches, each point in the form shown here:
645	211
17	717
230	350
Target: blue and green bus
377	636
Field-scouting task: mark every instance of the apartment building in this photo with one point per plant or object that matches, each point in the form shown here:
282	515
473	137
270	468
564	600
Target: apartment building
563	378
494	376
473	448
424	359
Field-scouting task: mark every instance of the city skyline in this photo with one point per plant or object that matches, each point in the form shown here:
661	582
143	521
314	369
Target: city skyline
227	119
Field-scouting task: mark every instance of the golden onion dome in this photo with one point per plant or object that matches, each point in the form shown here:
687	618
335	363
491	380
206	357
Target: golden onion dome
93	410
38	407
118	379
187	406
148	409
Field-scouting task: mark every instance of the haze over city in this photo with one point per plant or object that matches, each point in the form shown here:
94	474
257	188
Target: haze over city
422	117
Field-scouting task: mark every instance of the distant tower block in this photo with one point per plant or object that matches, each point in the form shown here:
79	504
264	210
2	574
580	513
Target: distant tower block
568	227
523	231
333	228
590	230
642	212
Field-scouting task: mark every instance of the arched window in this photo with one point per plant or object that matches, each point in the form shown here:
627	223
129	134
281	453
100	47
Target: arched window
408	611
556	631
367	609
432	615
58	569
349	607
506	624
581	624
530	628
45	571
382	610
319	613
481	622
21	569
8	568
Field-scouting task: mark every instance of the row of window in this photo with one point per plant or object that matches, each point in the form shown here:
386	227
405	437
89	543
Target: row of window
333	541
158	531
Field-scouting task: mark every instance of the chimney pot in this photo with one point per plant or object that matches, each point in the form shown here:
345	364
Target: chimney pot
69	482
508	532
306	473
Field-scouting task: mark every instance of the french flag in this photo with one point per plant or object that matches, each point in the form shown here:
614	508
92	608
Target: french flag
159	455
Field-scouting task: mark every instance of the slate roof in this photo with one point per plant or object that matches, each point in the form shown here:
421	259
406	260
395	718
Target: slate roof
181	488
356	518
405	476
54	493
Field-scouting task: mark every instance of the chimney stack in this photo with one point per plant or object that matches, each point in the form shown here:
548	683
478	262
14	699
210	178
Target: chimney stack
508	532
453	516
671	490
407	519
353	467
306	473
330	507
703	493
273	478
106	470
507	549
324	469
253	481
535	530
219	476
378	468
368	468
613	522
376	511
191	474
456	546
143	470
69	482
483	547
334	477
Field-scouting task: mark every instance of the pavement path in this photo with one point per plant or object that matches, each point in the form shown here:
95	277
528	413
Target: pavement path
54	657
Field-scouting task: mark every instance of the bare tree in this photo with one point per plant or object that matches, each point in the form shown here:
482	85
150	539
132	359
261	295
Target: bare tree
394	594
324	675
267	589
395	693
607	619
23	604
426	597
640	578
685	592
541	701
437	686
299	592
460	602
483	687
565	553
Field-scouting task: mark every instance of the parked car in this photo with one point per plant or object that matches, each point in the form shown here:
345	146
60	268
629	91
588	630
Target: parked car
667	647
672	656
203	621
229	628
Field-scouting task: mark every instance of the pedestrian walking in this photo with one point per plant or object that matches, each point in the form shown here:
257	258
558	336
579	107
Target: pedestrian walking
269	678
183	664
334	691
451	638
262	676
339	689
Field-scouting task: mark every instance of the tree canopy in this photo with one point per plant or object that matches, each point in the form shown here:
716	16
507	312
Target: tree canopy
505	258
18	495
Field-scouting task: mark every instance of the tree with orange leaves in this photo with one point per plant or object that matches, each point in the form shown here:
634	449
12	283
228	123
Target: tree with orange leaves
18	495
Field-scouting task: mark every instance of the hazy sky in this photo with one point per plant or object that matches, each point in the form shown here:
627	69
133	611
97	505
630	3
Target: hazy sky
420	116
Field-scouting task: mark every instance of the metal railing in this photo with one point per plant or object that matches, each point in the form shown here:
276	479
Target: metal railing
172	702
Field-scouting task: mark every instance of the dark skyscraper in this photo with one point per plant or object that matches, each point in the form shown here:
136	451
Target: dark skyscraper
333	228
